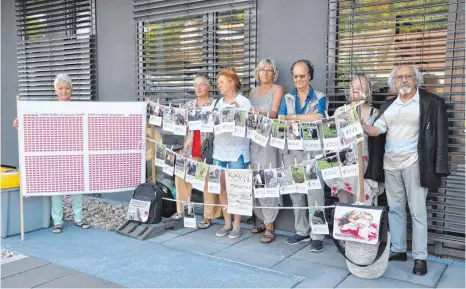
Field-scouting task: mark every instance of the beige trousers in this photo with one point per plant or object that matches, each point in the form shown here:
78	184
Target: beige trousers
183	192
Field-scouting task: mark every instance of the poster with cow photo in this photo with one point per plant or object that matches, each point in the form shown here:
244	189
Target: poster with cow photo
194	119
138	210
155	113
261	137
169	166
310	175
311	141
271	183
240	123
160	155
293	135
213	184
200	177
349	161
227	120
207	123
191	168
180	121
329	165
180	166
285	181
348	125
168	119
297	173
356	224
252	123
330	134
277	138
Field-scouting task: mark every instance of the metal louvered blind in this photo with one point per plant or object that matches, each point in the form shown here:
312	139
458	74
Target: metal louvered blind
57	36
371	37
178	39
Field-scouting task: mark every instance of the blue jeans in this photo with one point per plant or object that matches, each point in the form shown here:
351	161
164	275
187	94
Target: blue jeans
239	164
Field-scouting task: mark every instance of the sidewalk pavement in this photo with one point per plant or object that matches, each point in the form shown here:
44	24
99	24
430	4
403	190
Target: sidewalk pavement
323	270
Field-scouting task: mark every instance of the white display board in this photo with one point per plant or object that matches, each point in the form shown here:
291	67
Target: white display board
81	147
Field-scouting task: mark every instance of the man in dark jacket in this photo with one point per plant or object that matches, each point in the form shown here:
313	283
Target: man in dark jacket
410	142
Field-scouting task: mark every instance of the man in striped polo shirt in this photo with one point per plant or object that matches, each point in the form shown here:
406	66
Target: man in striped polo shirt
413	130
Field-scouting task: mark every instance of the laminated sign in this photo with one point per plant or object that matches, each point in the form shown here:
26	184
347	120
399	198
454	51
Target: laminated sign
239	192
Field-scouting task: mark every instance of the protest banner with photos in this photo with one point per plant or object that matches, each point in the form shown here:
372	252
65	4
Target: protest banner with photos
311	141
293	135
329	166
213	184
240	123
278	136
200	177
261	137
330	135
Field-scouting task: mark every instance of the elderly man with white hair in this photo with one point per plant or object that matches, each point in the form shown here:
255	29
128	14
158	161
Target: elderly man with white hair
410	142
63	89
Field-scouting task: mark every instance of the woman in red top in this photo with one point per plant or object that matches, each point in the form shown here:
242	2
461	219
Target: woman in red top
192	150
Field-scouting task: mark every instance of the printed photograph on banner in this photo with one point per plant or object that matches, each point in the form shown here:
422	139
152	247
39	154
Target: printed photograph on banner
251	124
168	119
261	137
259	184
160	155
189	216
200	177
180	121
180	166
239	192
293	135
228	119
207	124
349	161
331	140
155	113
277	138
310	175
138	210
169	166
240	123
297	173
356	224
271	183
319	224
329	165
194	119
191	168
218	127
213	184
285	181
349	125
311	141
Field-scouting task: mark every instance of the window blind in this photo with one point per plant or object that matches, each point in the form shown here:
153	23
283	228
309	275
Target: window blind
371	37
178	39
56	37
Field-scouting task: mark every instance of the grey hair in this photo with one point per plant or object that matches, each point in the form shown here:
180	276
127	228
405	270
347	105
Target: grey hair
368	92
419	78
62	77
205	78
263	63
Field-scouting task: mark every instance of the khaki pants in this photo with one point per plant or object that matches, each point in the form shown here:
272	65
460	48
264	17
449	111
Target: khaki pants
183	192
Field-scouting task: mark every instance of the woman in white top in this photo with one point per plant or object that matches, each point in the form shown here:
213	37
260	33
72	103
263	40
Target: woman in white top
230	151
347	188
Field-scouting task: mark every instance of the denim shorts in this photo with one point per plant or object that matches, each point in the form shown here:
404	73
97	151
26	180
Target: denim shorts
239	164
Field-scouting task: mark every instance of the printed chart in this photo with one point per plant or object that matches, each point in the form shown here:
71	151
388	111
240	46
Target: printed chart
81	147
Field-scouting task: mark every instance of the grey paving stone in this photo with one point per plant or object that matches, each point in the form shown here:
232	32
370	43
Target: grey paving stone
403	271
453	277
209	235
35	277
382	282
317	275
79	280
165	237
195	245
19	266
182	231
250	257
277	247
330	256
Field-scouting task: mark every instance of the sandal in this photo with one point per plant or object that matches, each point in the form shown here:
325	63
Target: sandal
57	229
268	237
259	229
204	225
82	225
176	216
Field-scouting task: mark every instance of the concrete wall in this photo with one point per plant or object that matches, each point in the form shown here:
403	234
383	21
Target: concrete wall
9	80
292	30
115	50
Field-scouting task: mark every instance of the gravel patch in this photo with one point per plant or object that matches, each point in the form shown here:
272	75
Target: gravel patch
97	213
9	256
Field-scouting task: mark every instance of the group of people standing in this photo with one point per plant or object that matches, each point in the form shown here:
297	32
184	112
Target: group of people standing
407	132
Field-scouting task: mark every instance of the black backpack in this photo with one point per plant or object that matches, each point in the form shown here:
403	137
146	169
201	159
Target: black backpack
158	208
